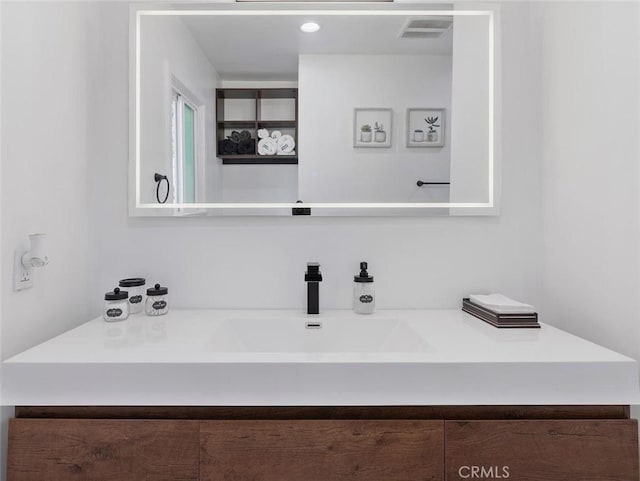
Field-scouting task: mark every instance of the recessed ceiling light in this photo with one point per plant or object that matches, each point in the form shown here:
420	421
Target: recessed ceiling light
309	27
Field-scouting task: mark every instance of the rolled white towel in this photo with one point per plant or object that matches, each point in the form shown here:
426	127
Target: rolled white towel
267	146
286	144
263	133
501	304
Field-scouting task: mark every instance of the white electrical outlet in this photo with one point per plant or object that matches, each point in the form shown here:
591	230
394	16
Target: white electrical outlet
21	275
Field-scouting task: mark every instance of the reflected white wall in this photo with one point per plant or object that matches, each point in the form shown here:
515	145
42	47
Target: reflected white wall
167	48
331	87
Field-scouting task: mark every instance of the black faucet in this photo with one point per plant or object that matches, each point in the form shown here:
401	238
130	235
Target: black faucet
312	277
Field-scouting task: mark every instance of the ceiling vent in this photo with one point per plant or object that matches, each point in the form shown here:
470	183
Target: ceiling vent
426	27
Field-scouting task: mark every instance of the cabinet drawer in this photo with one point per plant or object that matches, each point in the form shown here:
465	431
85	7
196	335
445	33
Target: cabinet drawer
542	450
102	450
329	450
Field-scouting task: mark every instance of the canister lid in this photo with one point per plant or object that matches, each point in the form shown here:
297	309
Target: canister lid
157	291
132	282
116	295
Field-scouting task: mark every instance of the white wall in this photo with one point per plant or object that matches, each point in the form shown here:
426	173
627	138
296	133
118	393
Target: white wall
260	183
331	87
233	262
4	412
45	151
590	131
167	48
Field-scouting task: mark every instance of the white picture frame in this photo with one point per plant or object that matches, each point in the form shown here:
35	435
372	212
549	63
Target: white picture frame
425	127
380	127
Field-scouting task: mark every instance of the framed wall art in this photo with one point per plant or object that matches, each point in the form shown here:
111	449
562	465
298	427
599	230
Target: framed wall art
372	127
425	127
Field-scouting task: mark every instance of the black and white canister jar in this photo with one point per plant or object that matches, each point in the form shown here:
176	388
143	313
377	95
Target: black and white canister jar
136	286
157	302
116	305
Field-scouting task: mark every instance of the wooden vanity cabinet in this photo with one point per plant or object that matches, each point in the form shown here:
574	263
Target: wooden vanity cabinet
102	450
322	450
323	444
542	450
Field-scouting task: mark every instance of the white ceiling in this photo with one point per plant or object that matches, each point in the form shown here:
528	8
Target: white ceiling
267	47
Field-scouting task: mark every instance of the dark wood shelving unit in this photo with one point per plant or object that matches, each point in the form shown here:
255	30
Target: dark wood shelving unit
239	159
237	124
256	123
277	124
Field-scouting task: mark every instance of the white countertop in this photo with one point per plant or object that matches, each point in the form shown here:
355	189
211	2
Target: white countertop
394	357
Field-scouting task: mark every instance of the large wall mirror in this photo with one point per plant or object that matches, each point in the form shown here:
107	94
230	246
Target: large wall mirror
239	110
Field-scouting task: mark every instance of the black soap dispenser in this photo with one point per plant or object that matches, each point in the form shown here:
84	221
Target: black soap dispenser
364	298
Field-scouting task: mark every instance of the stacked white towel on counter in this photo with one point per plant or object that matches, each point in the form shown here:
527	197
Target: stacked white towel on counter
501	304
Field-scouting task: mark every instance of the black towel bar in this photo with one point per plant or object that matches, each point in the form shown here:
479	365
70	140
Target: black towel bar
421	183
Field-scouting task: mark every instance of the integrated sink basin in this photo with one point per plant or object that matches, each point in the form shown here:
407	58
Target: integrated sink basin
311	335
337	358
